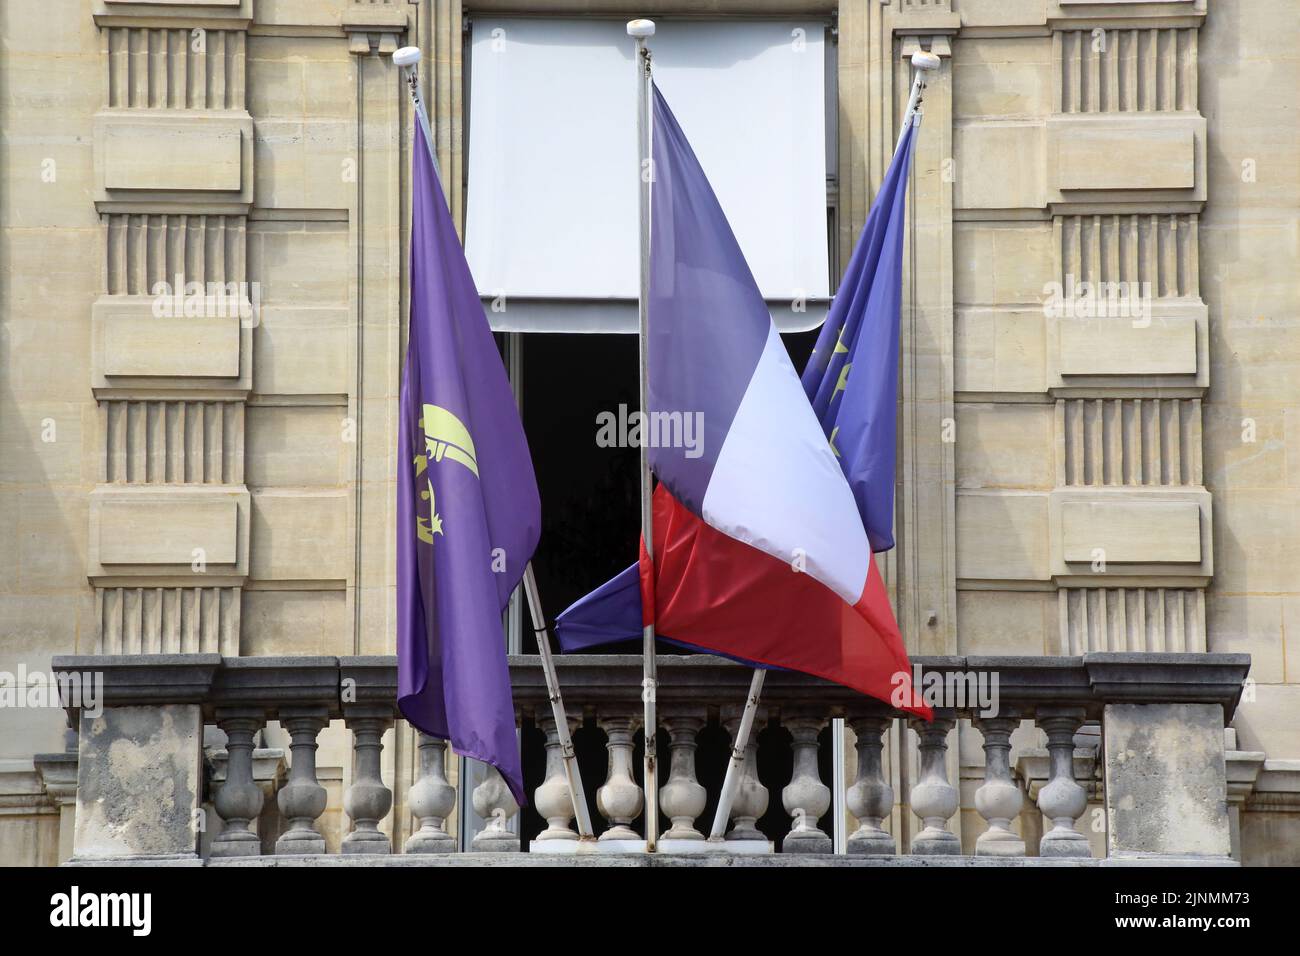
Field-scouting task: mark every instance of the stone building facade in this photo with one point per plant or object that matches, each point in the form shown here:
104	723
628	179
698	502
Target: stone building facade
1069	481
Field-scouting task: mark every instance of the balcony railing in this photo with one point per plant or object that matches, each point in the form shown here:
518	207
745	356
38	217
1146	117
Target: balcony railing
1160	772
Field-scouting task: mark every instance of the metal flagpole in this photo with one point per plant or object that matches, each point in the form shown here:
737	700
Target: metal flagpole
640	30
737	761
576	792
923	62
408	58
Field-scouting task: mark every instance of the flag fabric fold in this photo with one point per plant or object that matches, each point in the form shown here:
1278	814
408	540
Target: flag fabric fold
760	549
468	511
859	411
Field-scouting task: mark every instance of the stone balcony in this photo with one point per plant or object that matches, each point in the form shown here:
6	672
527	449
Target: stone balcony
1158	768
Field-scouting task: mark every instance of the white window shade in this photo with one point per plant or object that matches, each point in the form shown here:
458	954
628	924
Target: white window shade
551	214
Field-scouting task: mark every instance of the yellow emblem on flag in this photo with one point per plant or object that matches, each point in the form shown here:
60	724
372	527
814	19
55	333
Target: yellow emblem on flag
445	437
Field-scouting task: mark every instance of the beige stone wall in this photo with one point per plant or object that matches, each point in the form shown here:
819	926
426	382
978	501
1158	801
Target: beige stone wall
1066	484
215	482
1252	410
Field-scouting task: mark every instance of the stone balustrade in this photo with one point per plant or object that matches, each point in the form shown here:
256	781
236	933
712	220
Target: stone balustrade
1160	769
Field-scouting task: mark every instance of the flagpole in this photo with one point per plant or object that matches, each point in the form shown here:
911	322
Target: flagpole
923	62
737	762
408	58
641	30
576	792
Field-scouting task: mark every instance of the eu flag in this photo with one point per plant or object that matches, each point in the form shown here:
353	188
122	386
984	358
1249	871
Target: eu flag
852	377
468	512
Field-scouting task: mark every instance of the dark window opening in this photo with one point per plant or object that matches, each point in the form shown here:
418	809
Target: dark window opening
590	532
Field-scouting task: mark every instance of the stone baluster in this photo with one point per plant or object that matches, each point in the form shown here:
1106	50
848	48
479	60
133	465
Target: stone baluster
683	798
431	799
367	800
302	799
805	797
934	799
619	799
871	798
239	800
998	799
1061	799
553	798
494	802
751	796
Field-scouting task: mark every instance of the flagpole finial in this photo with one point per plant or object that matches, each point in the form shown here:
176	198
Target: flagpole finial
921	59
407	56
640	28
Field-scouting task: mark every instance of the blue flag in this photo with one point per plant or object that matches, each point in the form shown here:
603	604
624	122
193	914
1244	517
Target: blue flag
852	377
468	512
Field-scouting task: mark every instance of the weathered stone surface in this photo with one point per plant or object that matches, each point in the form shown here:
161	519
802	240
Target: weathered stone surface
1166	790
139	782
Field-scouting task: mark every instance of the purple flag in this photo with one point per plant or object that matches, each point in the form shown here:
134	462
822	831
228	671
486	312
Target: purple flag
468	512
859	411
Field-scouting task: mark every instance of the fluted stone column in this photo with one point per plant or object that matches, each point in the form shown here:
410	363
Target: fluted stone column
683	798
805	797
368	800
998	799
619	799
553	798
302	799
751	796
431	799
239	800
871	798
934	799
494	802
1061	799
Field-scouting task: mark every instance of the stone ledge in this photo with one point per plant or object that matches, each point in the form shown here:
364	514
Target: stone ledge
144	678
1277	789
657	861
1169	678
1088	681
374	678
276	681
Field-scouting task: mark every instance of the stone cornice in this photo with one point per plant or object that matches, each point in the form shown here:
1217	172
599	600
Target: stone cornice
1024	683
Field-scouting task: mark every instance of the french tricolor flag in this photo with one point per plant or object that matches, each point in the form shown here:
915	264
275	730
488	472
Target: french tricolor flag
760	551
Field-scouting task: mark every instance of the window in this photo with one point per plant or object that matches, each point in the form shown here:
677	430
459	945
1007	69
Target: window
551	225
551	210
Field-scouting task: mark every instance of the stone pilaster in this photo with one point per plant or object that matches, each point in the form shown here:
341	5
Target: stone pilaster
172	329
1166	781
140	783
925	567
1128	361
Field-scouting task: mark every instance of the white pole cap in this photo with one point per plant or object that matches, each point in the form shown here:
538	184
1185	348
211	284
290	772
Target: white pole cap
640	28
920	59
407	56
